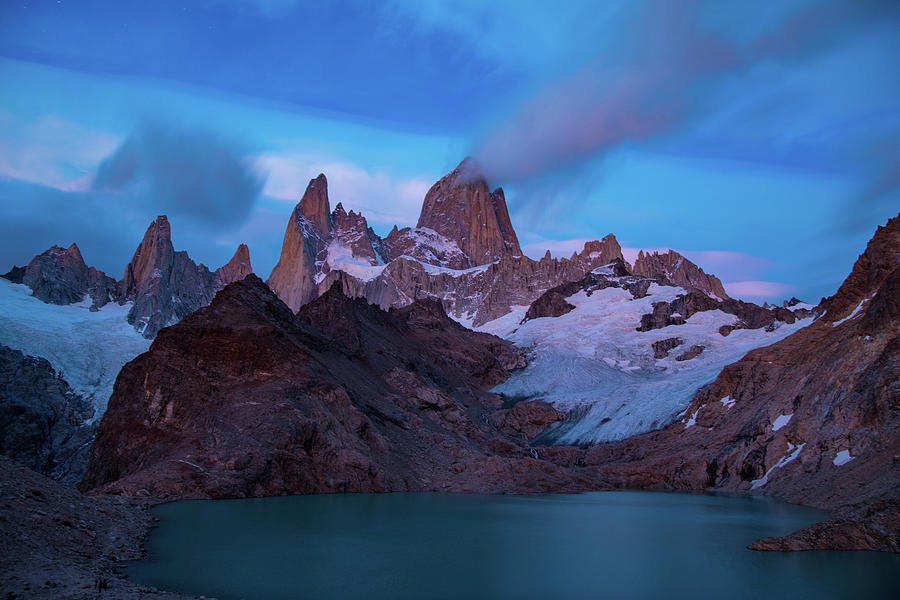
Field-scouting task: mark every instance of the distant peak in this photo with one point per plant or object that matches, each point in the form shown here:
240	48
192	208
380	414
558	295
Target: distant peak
314	204
74	252
160	228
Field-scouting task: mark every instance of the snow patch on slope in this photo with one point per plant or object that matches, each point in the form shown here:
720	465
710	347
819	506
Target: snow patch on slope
595	365
86	348
842	458
851	315
781	421
341	258
792	453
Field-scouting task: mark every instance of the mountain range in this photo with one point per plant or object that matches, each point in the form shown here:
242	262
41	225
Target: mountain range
441	358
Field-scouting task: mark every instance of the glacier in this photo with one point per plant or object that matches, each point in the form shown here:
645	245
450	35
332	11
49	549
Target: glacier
86	348
593	364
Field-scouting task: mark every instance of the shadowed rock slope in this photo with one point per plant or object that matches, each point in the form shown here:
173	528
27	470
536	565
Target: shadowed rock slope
42	421
243	398
57	544
812	419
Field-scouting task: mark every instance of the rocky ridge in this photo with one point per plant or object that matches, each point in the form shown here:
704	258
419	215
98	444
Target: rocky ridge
244	398
163	285
463	252
60	276
166	286
674	268
460	207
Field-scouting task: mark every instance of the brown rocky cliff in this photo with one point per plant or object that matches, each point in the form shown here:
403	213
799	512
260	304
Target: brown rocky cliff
243	398
314	205
604	251
305	239
153	253
872	267
679	270
461	208
507	233
235	269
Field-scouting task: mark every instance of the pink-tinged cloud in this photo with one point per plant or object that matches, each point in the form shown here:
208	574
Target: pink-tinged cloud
654	83
600	107
759	290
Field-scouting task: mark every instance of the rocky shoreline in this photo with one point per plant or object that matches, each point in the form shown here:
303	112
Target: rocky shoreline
57	543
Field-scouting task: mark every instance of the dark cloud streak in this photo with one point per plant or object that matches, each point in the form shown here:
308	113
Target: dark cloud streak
184	172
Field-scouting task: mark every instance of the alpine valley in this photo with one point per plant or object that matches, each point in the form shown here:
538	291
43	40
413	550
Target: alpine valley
437	358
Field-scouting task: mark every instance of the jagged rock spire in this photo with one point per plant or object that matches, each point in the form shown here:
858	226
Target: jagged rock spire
314	205
462	208
294	277
164	285
235	269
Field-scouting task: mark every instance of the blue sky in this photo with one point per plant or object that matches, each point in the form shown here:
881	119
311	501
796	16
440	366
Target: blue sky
761	139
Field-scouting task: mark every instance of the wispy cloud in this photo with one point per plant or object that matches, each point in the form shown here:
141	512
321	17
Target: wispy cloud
51	150
383	198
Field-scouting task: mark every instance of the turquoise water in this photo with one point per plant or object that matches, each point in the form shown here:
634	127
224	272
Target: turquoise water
419	546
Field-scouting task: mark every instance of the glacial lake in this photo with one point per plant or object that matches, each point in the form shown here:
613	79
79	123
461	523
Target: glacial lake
421	546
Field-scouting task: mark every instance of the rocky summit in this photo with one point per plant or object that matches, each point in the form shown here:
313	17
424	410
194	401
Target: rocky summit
60	276
166	285
163	285
675	268
461	208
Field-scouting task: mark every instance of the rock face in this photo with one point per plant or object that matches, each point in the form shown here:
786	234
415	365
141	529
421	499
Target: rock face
302	252
814	418
244	398
678	270
352	231
59	276
42	421
166	285
461	208
235	269
750	316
